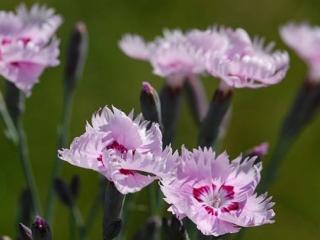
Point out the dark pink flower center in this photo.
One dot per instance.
(127, 171)
(214, 199)
(120, 149)
(117, 147)
(5, 41)
(25, 40)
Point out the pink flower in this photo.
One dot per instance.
(216, 194)
(27, 44)
(305, 41)
(247, 63)
(171, 55)
(122, 149)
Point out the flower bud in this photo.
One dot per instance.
(40, 229)
(63, 192)
(150, 103)
(76, 55)
(75, 186)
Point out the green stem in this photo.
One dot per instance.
(94, 210)
(77, 222)
(25, 162)
(153, 200)
(272, 169)
(11, 129)
(57, 165)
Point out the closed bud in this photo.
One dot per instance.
(150, 103)
(76, 55)
(75, 186)
(40, 229)
(63, 192)
(5, 238)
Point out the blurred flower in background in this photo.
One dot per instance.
(28, 44)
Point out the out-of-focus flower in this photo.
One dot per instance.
(171, 55)
(305, 41)
(28, 44)
(216, 194)
(123, 149)
(246, 63)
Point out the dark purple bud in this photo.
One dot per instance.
(75, 186)
(150, 103)
(63, 192)
(40, 229)
(76, 55)
(25, 232)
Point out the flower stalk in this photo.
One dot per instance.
(196, 98)
(76, 56)
(305, 107)
(11, 131)
(15, 101)
(113, 204)
(170, 99)
(210, 127)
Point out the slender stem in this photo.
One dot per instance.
(57, 165)
(11, 129)
(272, 169)
(113, 204)
(77, 221)
(153, 200)
(94, 209)
(26, 166)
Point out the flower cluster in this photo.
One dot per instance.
(228, 54)
(27, 44)
(216, 194)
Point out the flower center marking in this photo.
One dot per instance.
(214, 199)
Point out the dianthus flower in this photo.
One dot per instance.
(247, 63)
(216, 194)
(123, 149)
(27, 44)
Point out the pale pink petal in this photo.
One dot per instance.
(135, 47)
(246, 63)
(40, 23)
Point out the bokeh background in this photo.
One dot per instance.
(112, 78)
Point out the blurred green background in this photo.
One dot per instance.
(112, 78)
